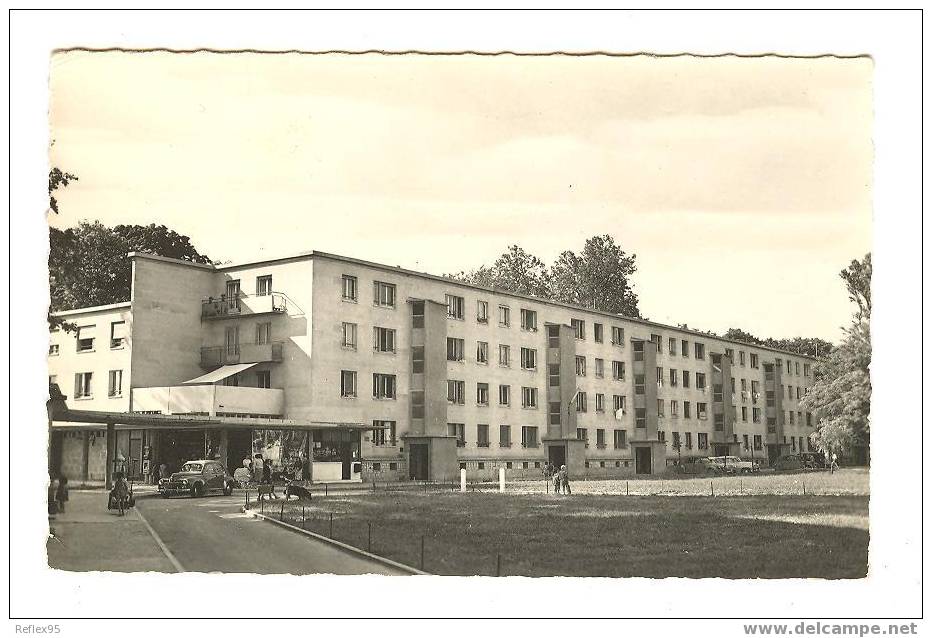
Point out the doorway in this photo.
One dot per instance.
(556, 455)
(642, 462)
(721, 449)
(417, 461)
(239, 448)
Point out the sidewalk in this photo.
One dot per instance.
(89, 537)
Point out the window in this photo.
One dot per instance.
(746, 441)
(117, 334)
(528, 397)
(599, 402)
(661, 436)
(384, 434)
(798, 393)
(115, 384)
(676, 441)
(758, 442)
(347, 383)
(741, 357)
(717, 394)
(384, 340)
(639, 384)
(618, 370)
(754, 361)
(459, 431)
(600, 438)
(504, 316)
(232, 381)
(504, 395)
(455, 348)
(482, 314)
(621, 439)
(638, 350)
(53, 350)
(744, 413)
(700, 351)
(417, 314)
(383, 386)
(732, 386)
(231, 337)
(771, 400)
(554, 413)
(807, 369)
(703, 441)
(86, 338)
(660, 408)
(579, 327)
(580, 366)
(264, 333)
(618, 336)
(689, 440)
(349, 336)
(553, 375)
(640, 417)
(684, 348)
(797, 368)
(671, 346)
(768, 372)
(82, 385)
(730, 354)
(599, 368)
(482, 352)
(719, 420)
(456, 391)
(755, 391)
(482, 393)
(701, 411)
(528, 320)
(619, 403)
(528, 359)
(582, 435)
(658, 341)
(685, 378)
(674, 377)
(809, 419)
(553, 335)
(504, 355)
(659, 378)
(482, 435)
(686, 410)
(755, 415)
(264, 379)
(504, 436)
(597, 333)
(383, 294)
(528, 436)
(792, 418)
(263, 285)
(455, 307)
(793, 442)
(350, 292)
(582, 404)
(674, 408)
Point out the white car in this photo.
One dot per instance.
(735, 464)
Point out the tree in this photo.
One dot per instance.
(515, 271)
(598, 278)
(841, 392)
(88, 265)
(737, 334)
(58, 179)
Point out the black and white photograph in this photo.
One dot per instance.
(541, 318)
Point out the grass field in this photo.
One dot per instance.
(602, 534)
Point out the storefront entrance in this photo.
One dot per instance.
(239, 447)
(336, 455)
(179, 446)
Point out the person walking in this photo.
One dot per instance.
(61, 493)
(565, 480)
(556, 482)
(120, 492)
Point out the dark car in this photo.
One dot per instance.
(788, 462)
(198, 478)
(700, 465)
(812, 460)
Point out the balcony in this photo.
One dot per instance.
(216, 356)
(224, 307)
(209, 400)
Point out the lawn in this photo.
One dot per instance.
(601, 534)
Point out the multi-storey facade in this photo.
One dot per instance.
(378, 373)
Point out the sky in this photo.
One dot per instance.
(741, 184)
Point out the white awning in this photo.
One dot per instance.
(220, 373)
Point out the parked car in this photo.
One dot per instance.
(735, 464)
(198, 478)
(788, 462)
(812, 460)
(700, 465)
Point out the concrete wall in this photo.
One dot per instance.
(209, 399)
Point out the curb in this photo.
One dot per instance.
(347, 548)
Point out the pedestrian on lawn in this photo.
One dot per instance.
(565, 480)
(556, 482)
(120, 491)
(61, 493)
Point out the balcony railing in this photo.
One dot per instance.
(216, 356)
(242, 304)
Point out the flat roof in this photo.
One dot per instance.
(317, 254)
(90, 309)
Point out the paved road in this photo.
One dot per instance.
(212, 535)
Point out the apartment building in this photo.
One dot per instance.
(373, 372)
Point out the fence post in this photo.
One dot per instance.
(804, 488)
(422, 553)
(331, 526)
(281, 513)
(303, 518)
(462, 480)
(627, 493)
(369, 546)
(247, 499)
(712, 487)
(326, 489)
